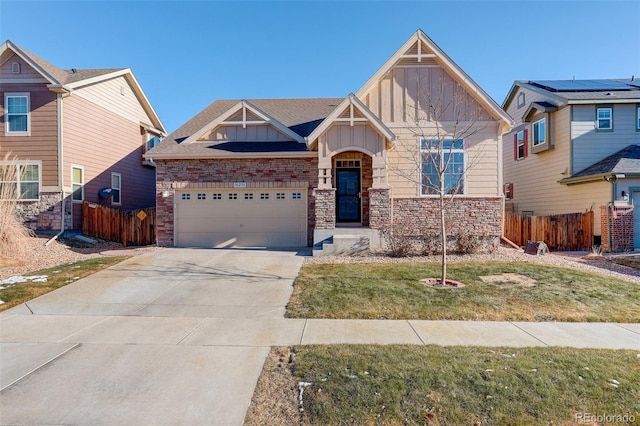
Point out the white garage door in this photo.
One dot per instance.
(241, 218)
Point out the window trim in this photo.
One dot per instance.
(75, 166)
(524, 144)
(637, 117)
(604, 129)
(7, 130)
(446, 151)
(119, 189)
(20, 164)
(536, 134)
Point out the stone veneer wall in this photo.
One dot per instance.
(616, 227)
(380, 205)
(325, 208)
(44, 214)
(261, 172)
(480, 216)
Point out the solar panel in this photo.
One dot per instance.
(581, 85)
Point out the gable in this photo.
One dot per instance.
(25, 71)
(420, 77)
(244, 122)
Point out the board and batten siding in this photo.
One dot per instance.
(482, 177)
(535, 178)
(116, 96)
(342, 136)
(406, 91)
(252, 132)
(104, 142)
(42, 143)
(591, 145)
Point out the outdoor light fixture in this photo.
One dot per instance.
(625, 196)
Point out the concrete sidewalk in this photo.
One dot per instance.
(180, 337)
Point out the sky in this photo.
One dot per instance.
(187, 54)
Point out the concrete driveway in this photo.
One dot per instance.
(163, 338)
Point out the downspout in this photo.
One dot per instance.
(60, 167)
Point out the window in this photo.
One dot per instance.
(22, 179)
(540, 132)
(447, 154)
(17, 114)
(521, 100)
(201, 196)
(604, 118)
(116, 187)
(638, 118)
(216, 196)
(248, 196)
(233, 196)
(186, 196)
(280, 196)
(152, 140)
(77, 183)
(296, 196)
(508, 191)
(264, 195)
(520, 145)
(15, 68)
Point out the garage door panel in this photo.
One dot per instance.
(271, 218)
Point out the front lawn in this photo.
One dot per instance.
(53, 278)
(393, 291)
(431, 385)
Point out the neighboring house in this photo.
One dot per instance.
(296, 172)
(74, 132)
(575, 147)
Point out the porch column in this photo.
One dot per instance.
(324, 173)
(379, 207)
(325, 208)
(379, 163)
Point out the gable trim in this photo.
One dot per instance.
(244, 105)
(8, 45)
(350, 101)
(475, 90)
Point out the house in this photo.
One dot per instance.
(575, 147)
(74, 132)
(298, 172)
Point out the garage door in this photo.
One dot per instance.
(241, 218)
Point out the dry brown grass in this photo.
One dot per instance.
(14, 236)
(274, 399)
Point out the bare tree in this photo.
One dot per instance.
(443, 121)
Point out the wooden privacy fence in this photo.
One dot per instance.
(129, 227)
(572, 231)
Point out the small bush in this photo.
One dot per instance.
(430, 244)
(467, 243)
(398, 239)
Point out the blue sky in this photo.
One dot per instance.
(186, 54)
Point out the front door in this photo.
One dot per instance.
(348, 195)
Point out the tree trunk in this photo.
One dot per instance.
(443, 233)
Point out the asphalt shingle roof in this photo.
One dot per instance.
(301, 116)
(626, 160)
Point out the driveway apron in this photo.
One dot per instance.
(162, 338)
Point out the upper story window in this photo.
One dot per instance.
(521, 100)
(17, 119)
(446, 156)
(20, 180)
(540, 132)
(152, 140)
(520, 144)
(638, 117)
(604, 118)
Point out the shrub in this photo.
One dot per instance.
(14, 236)
(467, 243)
(398, 239)
(430, 244)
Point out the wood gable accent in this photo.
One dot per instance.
(253, 121)
(420, 65)
(351, 111)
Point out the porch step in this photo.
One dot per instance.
(343, 245)
(345, 241)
